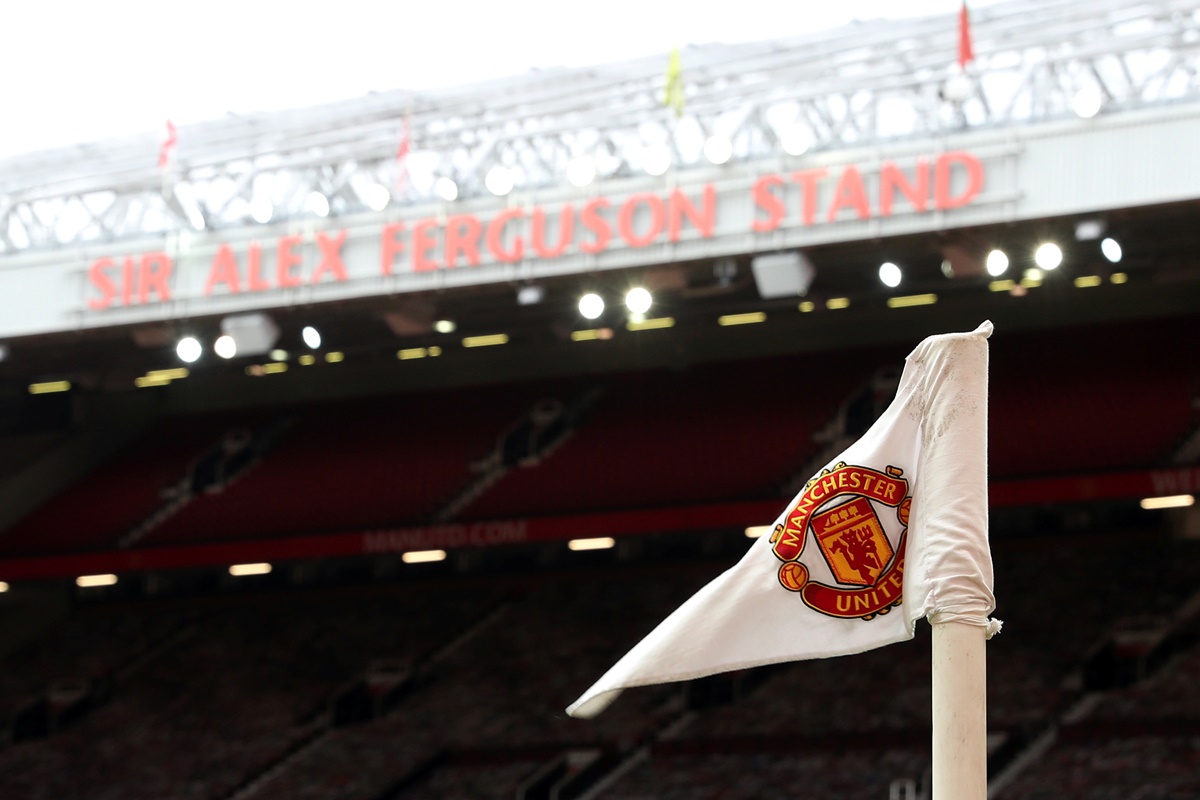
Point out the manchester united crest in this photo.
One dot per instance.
(839, 510)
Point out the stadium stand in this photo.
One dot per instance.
(722, 431)
(714, 432)
(1089, 399)
(104, 506)
(355, 465)
(253, 685)
(252, 681)
(556, 637)
(864, 772)
(373, 549)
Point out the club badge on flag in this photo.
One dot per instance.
(891, 530)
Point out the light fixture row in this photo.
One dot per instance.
(266, 568)
(638, 301)
(577, 545)
(189, 348)
(1047, 256)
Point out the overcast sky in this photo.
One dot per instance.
(80, 70)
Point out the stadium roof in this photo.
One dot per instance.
(858, 97)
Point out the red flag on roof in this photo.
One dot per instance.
(402, 156)
(402, 148)
(167, 149)
(965, 52)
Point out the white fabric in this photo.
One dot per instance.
(935, 434)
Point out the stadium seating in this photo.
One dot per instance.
(790, 772)
(241, 697)
(102, 507)
(1089, 399)
(92, 644)
(357, 464)
(714, 432)
(1114, 767)
(555, 639)
(252, 680)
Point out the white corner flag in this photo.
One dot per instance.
(895, 528)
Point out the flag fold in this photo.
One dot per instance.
(891, 530)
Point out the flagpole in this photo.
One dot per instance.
(959, 712)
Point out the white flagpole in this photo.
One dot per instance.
(959, 712)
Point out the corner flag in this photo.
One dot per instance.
(893, 529)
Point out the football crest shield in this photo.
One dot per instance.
(839, 510)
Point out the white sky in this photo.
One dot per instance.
(80, 70)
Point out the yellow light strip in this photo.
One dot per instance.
(168, 374)
(1088, 281)
(274, 367)
(910, 300)
(650, 324)
(260, 568)
(756, 531)
(599, 543)
(1118, 277)
(410, 353)
(490, 340)
(742, 319)
(49, 387)
(585, 336)
(423, 556)
(334, 357)
(834, 303)
(1001, 286)
(1170, 501)
(1031, 283)
(307, 360)
(146, 380)
(86, 581)
(807, 306)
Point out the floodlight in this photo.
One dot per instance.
(189, 349)
(261, 210)
(1111, 249)
(997, 263)
(591, 305)
(657, 160)
(446, 189)
(1087, 101)
(499, 180)
(796, 140)
(318, 204)
(1048, 256)
(581, 171)
(376, 197)
(225, 346)
(718, 149)
(638, 300)
(890, 274)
